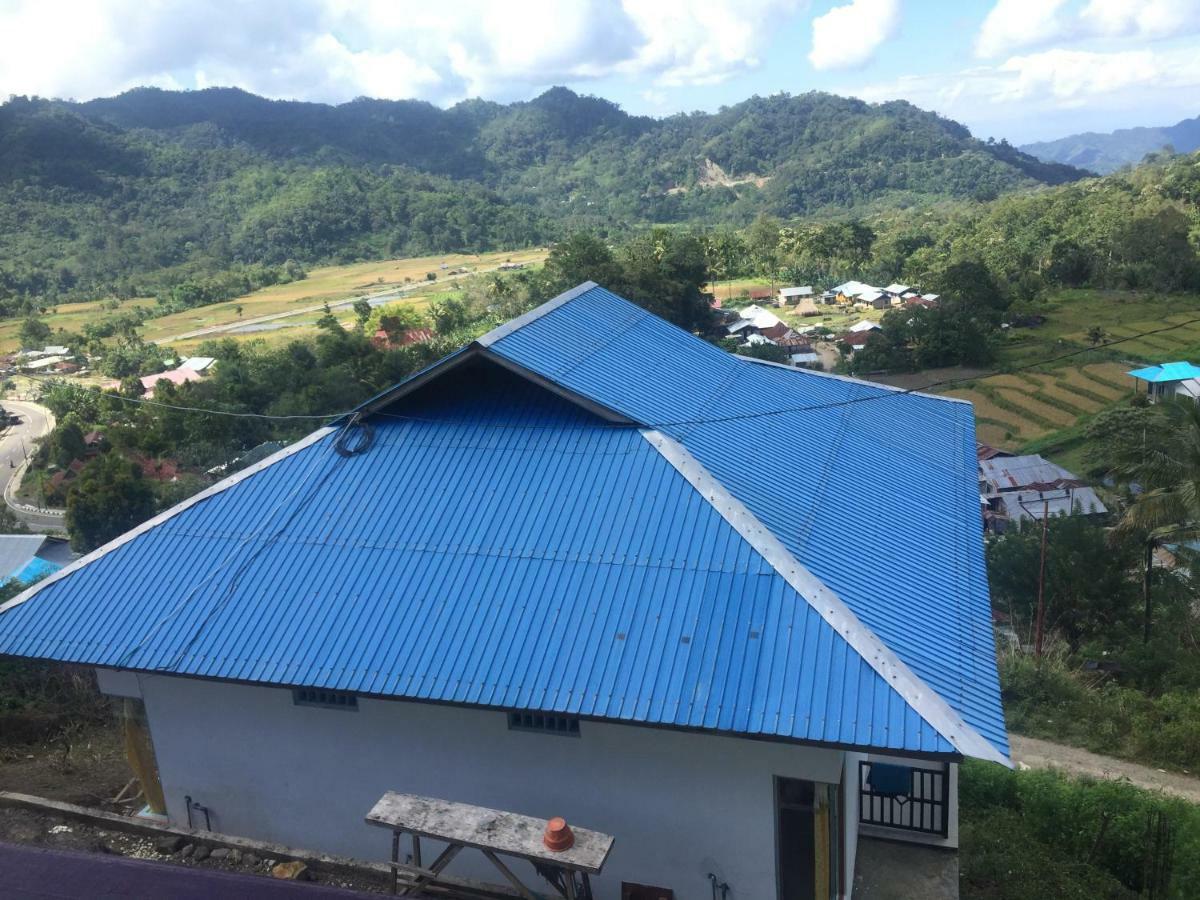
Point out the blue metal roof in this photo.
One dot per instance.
(1172, 371)
(500, 546)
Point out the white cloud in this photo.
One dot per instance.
(333, 50)
(1050, 93)
(1013, 25)
(848, 36)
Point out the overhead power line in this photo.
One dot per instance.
(883, 393)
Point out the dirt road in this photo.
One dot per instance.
(1039, 754)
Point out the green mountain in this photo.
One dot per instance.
(152, 186)
(1106, 153)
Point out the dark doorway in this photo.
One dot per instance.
(807, 825)
(794, 805)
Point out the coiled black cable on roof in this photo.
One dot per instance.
(355, 426)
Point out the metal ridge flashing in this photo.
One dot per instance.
(501, 331)
(929, 704)
(128, 536)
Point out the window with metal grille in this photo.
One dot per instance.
(325, 699)
(912, 798)
(521, 721)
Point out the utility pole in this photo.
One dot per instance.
(1146, 589)
(1041, 603)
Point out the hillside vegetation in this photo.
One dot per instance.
(127, 195)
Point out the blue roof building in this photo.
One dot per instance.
(1169, 380)
(567, 521)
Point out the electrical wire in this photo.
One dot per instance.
(884, 394)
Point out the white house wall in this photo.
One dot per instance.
(680, 805)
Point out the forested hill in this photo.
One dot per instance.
(1106, 153)
(99, 195)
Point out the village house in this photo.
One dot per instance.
(799, 297)
(1169, 380)
(853, 341)
(541, 576)
(761, 294)
(754, 319)
(1015, 489)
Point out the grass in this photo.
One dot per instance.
(331, 284)
(1043, 834)
(327, 284)
(1044, 410)
(68, 316)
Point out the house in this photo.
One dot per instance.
(1024, 488)
(177, 376)
(864, 325)
(897, 290)
(875, 299)
(540, 576)
(829, 298)
(855, 340)
(853, 291)
(1168, 380)
(198, 364)
(762, 294)
(800, 297)
(753, 319)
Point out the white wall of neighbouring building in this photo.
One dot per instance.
(679, 804)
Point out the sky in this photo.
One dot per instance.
(1024, 70)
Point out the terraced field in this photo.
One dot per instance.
(1011, 410)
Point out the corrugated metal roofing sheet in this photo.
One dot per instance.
(1172, 371)
(500, 547)
(849, 475)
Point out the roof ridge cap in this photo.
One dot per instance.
(500, 331)
(919, 696)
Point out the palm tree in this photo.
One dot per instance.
(1166, 470)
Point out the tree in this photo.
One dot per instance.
(1167, 471)
(109, 498)
(1100, 606)
(762, 244)
(238, 309)
(362, 311)
(1165, 464)
(1096, 335)
(34, 333)
(970, 281)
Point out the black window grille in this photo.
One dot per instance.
(923, 808)
(324, 699)
(547, 724)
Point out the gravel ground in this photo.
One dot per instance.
(1039, 754)
(22, 826)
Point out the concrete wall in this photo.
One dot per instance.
(680, 805)
(850, 801)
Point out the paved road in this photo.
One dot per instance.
(15, 442)
(38, 873)
(377, 299)
(1039, 754)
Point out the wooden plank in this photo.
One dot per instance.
(432, 875)
(488, 829)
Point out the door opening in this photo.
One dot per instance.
(808, 826)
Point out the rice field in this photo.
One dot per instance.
(1011, 410)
